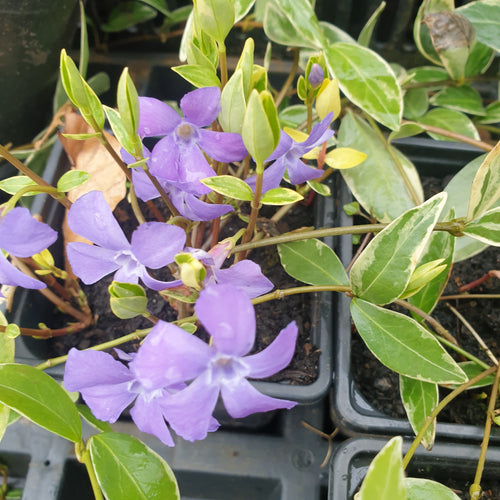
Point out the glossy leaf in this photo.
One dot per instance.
(230, 186)
(365, 35)
(246, 66)
(85, 412)
(71, 180)
(293, 23)
(385, 478)
(387, 195)
(485, 192)
(38, 397)
(343, 158)
(127, 469)
(313, 262)
(426, 489)
(463, 98)
(233, 104)
(215, 17)
(7, 349)
(127, 300)
(484, 16)
(382, 272)
(321, 189)
(403, 345)
(423, 275)
(419, 399)
(127, 101)
(486, 229)
(120, 131)
(280, 196)
(12, 185)
(416, 103)
(368, 81)
(198, 75)
(451, 120)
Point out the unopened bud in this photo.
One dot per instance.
(316, 75)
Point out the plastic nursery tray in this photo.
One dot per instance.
(349, 409)
(446, 461)
(280, 465)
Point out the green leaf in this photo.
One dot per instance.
(365, 36)
(72, 179)
(215, 17)
(472, 369)
(127, 300)
(246, 66)
(403, 345)
(368, 81)
(486, 229)
(385, 478)
(463, 98)
(416, 103)
(122, 134)
(128, 103)
(333, 34)
(387, 195)
(7, 350)
(423, 275)
(128, 14)
(485, 192)
(492, 113)
(407, 130)
(451, 120)
(382, 272)
(38, 397)
(242, 8)
(280, 196)
(159, 5)
(82, 137)
(230, 186)
(233, 104)
(293, 116)
(484, 16)
(419, 399)
(425, 489)
(313, 262)
(198, 75)
(85, 412)
(479, 60)
(321, 189)
(127, 469)
(293, 23)
(428, 74)
(12, 185)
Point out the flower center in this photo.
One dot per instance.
(128, 262)
(185, 131)
(227, 369)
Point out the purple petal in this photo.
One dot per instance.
(148, 416)
(194, 209)
(91, 217)
(156, 117)
(158, 285)
(247, 276)
(242, 399)
(319, 133)
(229, 317)
(201, 106)
(194, 167)
(155, 244)
(189, 412)
(284, 145)
(22, 235)
(89, 262)
(222, 146)
(299, 172)
(107, 402)
(220, 252)
(143, 186)
(91, 368)
(271, 178)
(275, 356)
(9, 275)
(164, 162)
(170, 355)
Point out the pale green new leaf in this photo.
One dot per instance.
(313, 262)
(12, 185)
(293, 23)
(392, 189)
(127, 101)
(385, 479)
(280, 196)
(198, 75)
(368, 81)
(451, 120)
(425, 489)
(230, 186)
(485, 192)
(403, 345)
(318, 187)
(242, 8)
(71, 180)
(382, 272)
(463, 98)
(486, 229)
(419, 399)
(38, 397)
(7, 350)
(127, 469)
(233, 104)
(485, 17)
(119, 130)
(365, 35)
(333, 34)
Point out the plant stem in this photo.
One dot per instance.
(471, 296)
(437, 410)
(279, 294)
(462, 352)
(289, 80)
(475, 488)
(86, 459)
(34, 177)
(222, 65)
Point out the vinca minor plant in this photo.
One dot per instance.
(235, 145)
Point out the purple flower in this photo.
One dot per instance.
(173, 355)
(245, 275)
(178, 157)
(109, 386)
(187, 204)
(287, 156)
(153, 244)
(22, 236)
(316, 75)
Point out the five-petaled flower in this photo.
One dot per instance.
(153, 245)
(22, 236)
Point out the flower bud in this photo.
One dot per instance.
(316, 75)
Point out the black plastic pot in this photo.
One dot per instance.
(448, 463)
(349, 409)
